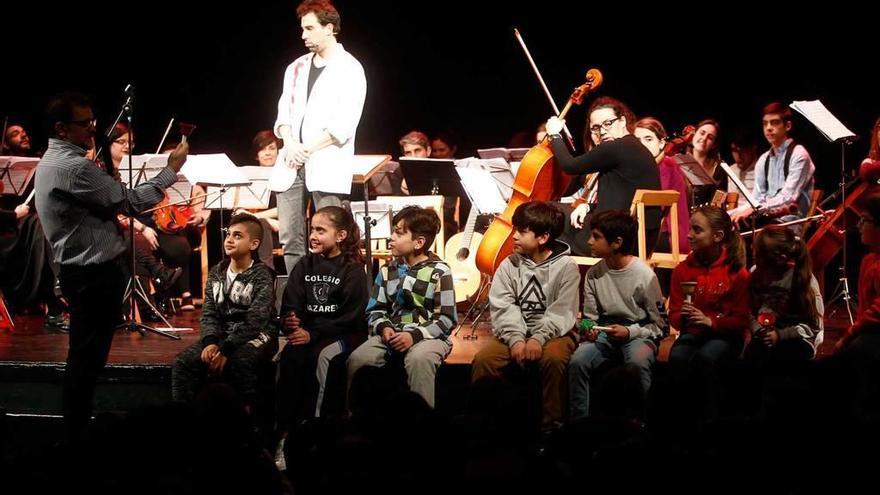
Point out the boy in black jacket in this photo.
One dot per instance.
(237, 335)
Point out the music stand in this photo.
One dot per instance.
(215, 171)
(363, 167)
(508, 154)
(256, 195)
(695, 174)
(133, 286)
(16, 173)
(744, 193)
(431, 176)
(486, 194)
(833, 130)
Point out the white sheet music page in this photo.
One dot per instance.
(743, 190)
(213, 169)
(256, 195)
(824, 120)
(144, 167)
(482, 189)
(179, 191)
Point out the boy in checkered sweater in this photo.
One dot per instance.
(412, 305)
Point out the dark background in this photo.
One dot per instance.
(454, 64)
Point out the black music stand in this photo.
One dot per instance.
(431, 176)
(833, 130)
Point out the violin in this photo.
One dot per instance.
(539, 178)
(172, 219)
(677, 144)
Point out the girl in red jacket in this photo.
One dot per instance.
(713, 318)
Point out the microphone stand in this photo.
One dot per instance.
(125, 110)
(133, 287)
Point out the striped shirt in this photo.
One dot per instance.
(418, 299)
(78, 203)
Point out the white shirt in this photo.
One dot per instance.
(334, 105)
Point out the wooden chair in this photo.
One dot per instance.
(666, 199)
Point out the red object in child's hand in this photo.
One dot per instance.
(767, 319)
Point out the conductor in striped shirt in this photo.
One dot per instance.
(78, 203)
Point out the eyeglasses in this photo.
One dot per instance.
(123, 142)
(864, 220)
(605, 125)
(85, 123)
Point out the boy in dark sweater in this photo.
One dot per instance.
(237, 335)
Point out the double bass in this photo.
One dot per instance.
(539, 178)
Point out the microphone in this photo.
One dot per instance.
(129, 90)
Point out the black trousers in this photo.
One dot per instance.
(176, 251)
(298, 382)
(94, 293)
(242, 370)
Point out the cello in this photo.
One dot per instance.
(539, 178)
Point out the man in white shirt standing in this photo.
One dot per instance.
(318, 114)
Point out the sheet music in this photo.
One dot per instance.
(17, 171)
(152, 165)
(255, 196)
(824, 120)
(499, 168)
(215, 201)
(693, 171)
(179, 191)
(216, 169)
(509, 155)
(15, 160)
(743, 190)
(365, 165)
(482, 189)
(380, 212)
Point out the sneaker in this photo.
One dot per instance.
(58, 323)
(166, 278)
(280, 463)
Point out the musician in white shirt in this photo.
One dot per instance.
(318, 114)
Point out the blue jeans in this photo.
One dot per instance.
(589, 356)
(292, 225)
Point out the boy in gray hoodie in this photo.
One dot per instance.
(622, 295)
(533, 301)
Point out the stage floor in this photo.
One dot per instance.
(31, 343)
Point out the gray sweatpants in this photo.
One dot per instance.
(421, 362)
